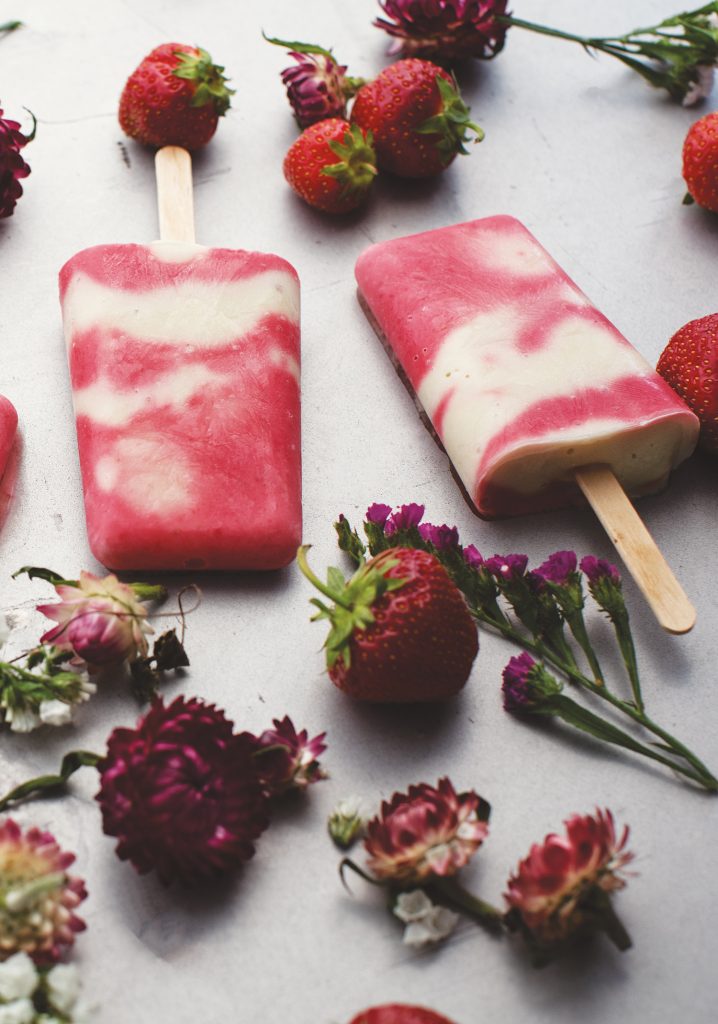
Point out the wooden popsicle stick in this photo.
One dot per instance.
(637, 548)
(173, 170)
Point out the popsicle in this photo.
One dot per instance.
(535, 396)
(8, 428)
(184, 363)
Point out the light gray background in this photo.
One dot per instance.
(589, 157)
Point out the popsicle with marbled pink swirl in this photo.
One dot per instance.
(184, 363)
(522, 378)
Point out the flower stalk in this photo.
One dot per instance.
(543, 601)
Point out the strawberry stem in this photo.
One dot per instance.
(333, 595)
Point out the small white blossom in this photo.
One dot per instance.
(18, 977)
(412, 906)
(702, 86)
(435, 926)
(21, 1011)
(55, 712)
(350, 807)
(21, 720)
(63, 987)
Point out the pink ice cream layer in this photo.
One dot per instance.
(8, 429)
(185, 375)
(521, 376)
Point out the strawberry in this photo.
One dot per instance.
(331, 165)
(700, 162)
(417, 117)
(689, 363)
(401, 631)
(174, 98)
(399, 1013)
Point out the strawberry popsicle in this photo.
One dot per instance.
(184, 363)
(8, 428)
(523, 380)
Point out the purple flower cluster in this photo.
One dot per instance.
(598, 570)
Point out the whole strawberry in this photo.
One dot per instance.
(331, 165)
(401, 631)
(174, 98)
(399, 1013)
(700, 162)
(689, 363)
(417, 118)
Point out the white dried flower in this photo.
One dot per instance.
(55, 712)
(21, 1011)
(22, 720)
(63, 987)
(412, 906)
(435, 926)
(702, 86)
(18, 977)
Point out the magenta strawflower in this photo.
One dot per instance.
(100, 619)
(425, 832)
(315, 87)
(287, 759)
(182, 792)
(37, 896)
(562, 887)
(444, 29)
(12, 165)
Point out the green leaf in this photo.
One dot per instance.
(47, 783)
(36, 572)
(296, 46)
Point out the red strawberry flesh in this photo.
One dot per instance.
(689, 363)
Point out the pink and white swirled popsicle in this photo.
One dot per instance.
(184, 363)
(521, 377)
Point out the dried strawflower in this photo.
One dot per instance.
(100, 619)
(182, 792)
(287, 759)
(12, 166)
(318, 87)
(38, 897)
(425, 832)
(444, 29)
(563, 887)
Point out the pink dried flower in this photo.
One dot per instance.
(473, 557)
(101, 620)
(444, 29)
(598, 570)
(12, 165)
(507, 567)
(182, 792)
(37, 896)
(443, 538)
(316, 87)
(378, 513)
(287, 759)
(427, 831)
(561, 888)
(558, 567)
(404, 518)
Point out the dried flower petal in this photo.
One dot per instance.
(37, 896)
(448, 29)
(427, 831)
(182, 792)
(287, 759)
(12, 165)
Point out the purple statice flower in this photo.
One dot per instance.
(558, 567)
(443, 537)
(526, 684)
(507, 567)
(516, 687)
(598, 570)
(378, 513)
(315, 87)
(404, 518)
(473, 557)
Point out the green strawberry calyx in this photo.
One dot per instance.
(353, 599)
(210, 82)
(356, 168)
(452, 122)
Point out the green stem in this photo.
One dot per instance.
(482, 912)
(149, 592)
(701, 773)
(70, 764)
(628, 651)
(322, 587)
(10, 26)
(578, 627)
